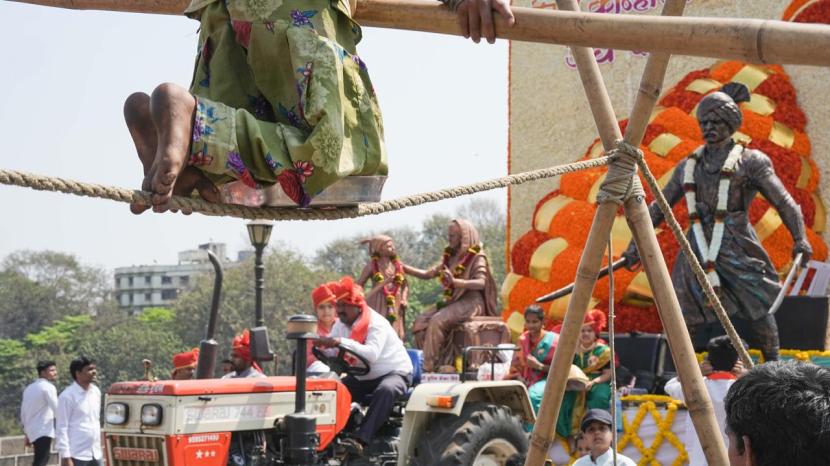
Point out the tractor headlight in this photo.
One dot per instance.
(117, 413)
(151, 414)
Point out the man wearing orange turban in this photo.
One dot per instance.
(184, 364)
(371, 336)
(323, 300)
(243, 365)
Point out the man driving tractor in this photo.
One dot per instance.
(369, 335)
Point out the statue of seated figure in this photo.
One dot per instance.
(469, 292)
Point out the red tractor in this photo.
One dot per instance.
(304, 420)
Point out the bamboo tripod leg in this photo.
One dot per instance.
(702, 413)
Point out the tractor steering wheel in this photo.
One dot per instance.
(339, 364)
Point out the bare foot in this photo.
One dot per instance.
(171, 109)
(143, 131)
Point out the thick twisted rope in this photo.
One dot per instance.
(47, 183)
(700, 274)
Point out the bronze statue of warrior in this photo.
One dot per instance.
(719, 180)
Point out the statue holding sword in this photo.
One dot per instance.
(718, 181)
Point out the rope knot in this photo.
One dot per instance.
(627, 149)
(621, 183)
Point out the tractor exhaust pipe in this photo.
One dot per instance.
(208, 348)
(301, 428)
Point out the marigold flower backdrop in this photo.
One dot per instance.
(550, 123)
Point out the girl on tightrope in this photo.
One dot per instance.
(279, 95)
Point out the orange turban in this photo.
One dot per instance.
(185, 360)
(242, 346)
(346, 291)
(322, 294)
(596, 319)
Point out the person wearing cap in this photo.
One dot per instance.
(243, 365)
(371, 336)
(323, 299)
(184, 364)
(596, 430)
(718, 181)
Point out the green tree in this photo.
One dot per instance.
(16, 371)
(119, 343)
(38, 288)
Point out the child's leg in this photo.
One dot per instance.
(143, 132)
(143, 129)
(171, 109)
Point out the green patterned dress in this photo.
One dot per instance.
(574, 404)
(282, 96)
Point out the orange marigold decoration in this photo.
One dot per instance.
(546, 257)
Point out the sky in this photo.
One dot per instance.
(64, 76)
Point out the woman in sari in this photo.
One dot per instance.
(469, 291)
(532, 362)
(594, 358)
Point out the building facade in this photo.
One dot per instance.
(142, 286)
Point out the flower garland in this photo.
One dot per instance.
(457, 272)
(710, 251)
(390, 290)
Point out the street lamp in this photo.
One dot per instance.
(259, 232)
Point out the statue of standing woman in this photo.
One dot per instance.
(469, 291)
(390, 290)
(719, 180)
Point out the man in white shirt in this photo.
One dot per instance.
(37, 411)
(371, 336)
(596, 428)
(720, 369)
(79, 417)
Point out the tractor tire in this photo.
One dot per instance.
(483, 434)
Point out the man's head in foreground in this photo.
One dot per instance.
(779, 413)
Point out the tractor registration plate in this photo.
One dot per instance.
(148, 455)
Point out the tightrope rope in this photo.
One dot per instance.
(48, 183)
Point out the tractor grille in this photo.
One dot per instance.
(136, 450)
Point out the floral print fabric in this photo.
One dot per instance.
(282, 96)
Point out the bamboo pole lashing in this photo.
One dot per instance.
(639, 220)
(750, 40)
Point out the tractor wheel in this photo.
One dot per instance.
(483, 435)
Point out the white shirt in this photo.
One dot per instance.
(717, 392)
(37, 410)
(250, 373)
(383, 349)
(606, 459)
(79, 423)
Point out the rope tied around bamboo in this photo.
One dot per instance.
(621, 182)
(189, 204)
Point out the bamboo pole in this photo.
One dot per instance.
(751, 40)
(700, 406)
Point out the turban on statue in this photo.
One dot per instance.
(724, 104)
(241, 346)
(596, 319)
(185, 360)
(322, 294)
(376, 243)
(347, 291)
